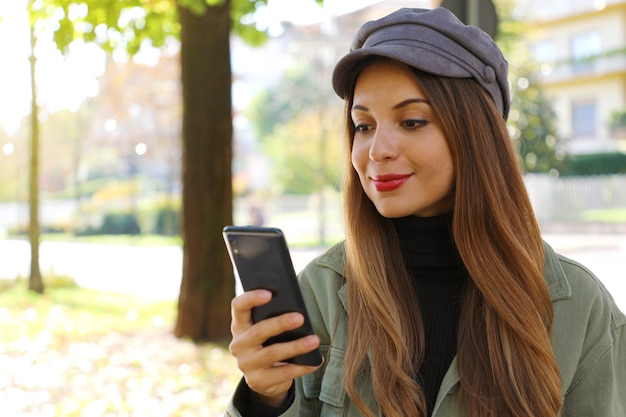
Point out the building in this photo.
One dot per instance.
(581, 48)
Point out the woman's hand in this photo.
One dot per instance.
(263, 367)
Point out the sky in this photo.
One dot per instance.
(307, 11)
(65, 82)
(62, 83)
(13, 65)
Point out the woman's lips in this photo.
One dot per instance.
(389, 182)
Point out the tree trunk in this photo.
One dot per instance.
(207, 281)
(35, 282)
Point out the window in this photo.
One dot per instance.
(585, 45)
(584, 120)
(544, 51)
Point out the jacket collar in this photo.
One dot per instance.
(554, 275)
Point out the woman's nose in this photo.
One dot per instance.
(383, 146)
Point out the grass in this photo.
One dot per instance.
(75, 352)
(87, 312)
(135, 240)
(605, 216)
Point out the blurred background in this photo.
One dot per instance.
(92, 184)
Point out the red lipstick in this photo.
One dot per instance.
(389, 182)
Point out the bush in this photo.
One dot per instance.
(618, 119)
(155, 218)
(594, 164)
(120, 224)
(167, 222)
(112, 223)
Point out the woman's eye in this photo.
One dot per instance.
(414, 123)
(362, 128)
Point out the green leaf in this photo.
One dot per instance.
(198, 7)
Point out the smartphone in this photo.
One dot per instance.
(261, 260)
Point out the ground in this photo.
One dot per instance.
(81, 353)
(144, 373)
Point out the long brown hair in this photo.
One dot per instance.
(505, 358)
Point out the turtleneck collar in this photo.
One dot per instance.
(427, 242)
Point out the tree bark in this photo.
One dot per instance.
(35, 282)
(207, 278)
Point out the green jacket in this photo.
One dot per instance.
(589, 341)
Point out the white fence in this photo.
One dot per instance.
(570, 204)
(581, 202)
(595, 203)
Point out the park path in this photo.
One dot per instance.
(155, 271)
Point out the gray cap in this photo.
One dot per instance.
(433, 41)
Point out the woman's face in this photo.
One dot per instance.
(399, 150)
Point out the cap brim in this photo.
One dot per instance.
(425, 59)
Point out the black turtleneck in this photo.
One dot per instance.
(439, 277)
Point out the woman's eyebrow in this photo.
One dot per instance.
(410, 101)
(359, 107)
(396, 107)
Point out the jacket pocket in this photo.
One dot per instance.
(326, 384)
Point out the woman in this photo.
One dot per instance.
(443, 300)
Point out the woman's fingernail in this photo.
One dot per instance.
(310, 341)
(295, 318)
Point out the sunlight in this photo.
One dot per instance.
(62, 82)
(14, 79)
(8, 149)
